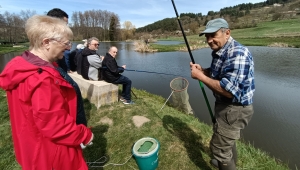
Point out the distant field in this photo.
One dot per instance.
(270, 29)
(265, 34)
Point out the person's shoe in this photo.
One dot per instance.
(122, 99)
(128, 102)
(214, 163)
(227, 166)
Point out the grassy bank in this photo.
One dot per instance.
(5, 50)
(179, 47)
(183, 139)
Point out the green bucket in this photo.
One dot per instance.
(145, 152)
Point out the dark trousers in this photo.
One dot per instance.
(230, 120)
(126, 82)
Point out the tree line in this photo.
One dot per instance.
(103, 24)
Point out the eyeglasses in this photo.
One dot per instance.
(68, 44)
(95, 44)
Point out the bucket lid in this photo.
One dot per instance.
(145, 147)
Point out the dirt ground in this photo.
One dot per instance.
(138, 121)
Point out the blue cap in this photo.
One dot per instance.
(214, 25)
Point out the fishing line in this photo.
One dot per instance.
(153, 72)
(143, 71)
(90, 164)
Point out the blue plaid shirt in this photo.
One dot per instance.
(233, 66)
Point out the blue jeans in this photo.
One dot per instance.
(126, 82)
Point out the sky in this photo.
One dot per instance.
(139, 12)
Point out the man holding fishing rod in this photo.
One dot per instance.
(231, 79)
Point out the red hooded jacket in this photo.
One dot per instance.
(42, 107)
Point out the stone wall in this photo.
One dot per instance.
(97, 92)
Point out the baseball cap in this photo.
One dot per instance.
(214, 25)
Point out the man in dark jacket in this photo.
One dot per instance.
(111, 73)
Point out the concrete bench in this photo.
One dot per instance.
(97, 92)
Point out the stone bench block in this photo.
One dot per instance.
(97, 92)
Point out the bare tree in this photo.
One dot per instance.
(84, 25)
(117, 35)
(2, 27)
(25, 14)
(8, 31)
(128, 30)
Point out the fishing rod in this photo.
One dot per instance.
(193, 61)
(146, 72)
(153, 72)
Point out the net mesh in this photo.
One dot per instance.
(180, 97)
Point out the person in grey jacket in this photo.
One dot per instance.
(91, 61)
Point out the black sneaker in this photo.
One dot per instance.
(128, 102)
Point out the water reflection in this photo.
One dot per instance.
(6, 58)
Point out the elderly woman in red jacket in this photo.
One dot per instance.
(42, 104)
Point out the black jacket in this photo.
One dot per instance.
(110, 69)
(78, 61)
(62, 64)
(72, 60)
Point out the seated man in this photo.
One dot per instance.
(111, 73)
(91, 61)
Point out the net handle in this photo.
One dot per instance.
(165, 102)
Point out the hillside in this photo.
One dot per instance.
(239, 16)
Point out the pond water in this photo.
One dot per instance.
(274, 127)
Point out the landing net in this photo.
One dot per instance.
(180, 96)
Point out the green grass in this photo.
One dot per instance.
(265, 34)
(281, 28)
(166, 48)
(267, 41)
(5, 50)
(184, 140)
(7, 158)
